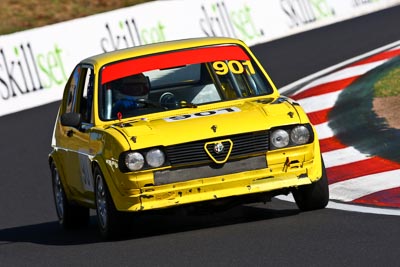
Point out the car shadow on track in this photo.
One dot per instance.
(149, 225)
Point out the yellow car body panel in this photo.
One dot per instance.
(103, 139)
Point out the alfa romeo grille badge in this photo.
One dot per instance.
(219, 148)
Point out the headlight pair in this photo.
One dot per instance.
(136, 160)
(284, 137)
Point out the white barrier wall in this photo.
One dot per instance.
(35, 64)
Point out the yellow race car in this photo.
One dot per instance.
(194, 122)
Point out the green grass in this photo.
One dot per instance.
(22, 15)
(389, 84)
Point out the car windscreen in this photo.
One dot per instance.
(179, 79)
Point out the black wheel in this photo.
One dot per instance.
(112, 223)
(314, 196)
(69, 215)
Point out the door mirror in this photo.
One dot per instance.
(71, 119)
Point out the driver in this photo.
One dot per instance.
(130, 92)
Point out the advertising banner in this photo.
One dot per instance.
(35, 64)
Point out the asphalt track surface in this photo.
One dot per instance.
(275, 234)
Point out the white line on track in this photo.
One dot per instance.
(355, 208)
(352, 189)
(323, 72)
(395, 48)
(350, 207)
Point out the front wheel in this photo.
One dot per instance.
(313, 196)
(112, 223)
(69, 215)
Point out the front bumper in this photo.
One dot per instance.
(285, 170)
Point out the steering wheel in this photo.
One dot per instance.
(169, 101)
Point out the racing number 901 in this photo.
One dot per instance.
(235, 66)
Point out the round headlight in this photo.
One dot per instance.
(279, 138)
(300, 135)
(134, 161)
(155, 157)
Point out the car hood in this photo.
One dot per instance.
(209, 121)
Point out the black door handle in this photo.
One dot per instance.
(70, 133)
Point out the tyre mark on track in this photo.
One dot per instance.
(354, 177)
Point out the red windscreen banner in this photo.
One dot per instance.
(170, 60)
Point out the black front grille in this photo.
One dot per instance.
(243, 145)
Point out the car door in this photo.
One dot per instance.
(75, 141)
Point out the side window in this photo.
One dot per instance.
(78, 93)
(86, 99)
(71, 90)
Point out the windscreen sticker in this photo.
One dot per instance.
(173, 59)
(202, 114)
(234, 66)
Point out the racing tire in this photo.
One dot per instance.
(69, 215)
(313, 196)
(112, 223)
